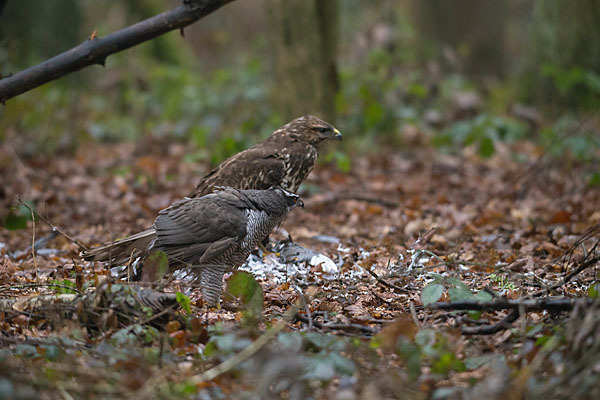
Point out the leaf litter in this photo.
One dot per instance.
(425, 227)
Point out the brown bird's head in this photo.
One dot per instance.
(309, 129)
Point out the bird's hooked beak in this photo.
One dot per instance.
(299, 203)
(338, 134)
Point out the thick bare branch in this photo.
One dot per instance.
(96, 49)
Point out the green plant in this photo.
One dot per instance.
(503, 282)
(483, 131)
(566, 138)
(17, 218)
(575, 85)
(243, 286)
(456, 289)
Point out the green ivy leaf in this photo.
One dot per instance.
(15, 222)
(342, 364)
(458, 294)
(486, 147)
(476, 362)
(474, 315)
(594, 180)
(431, 293)
(52, 352)
(482, 295)
(594, 290)
(183, 301)
(64, 282)
(243, 286)
(458, 283)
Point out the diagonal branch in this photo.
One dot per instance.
(96, 49)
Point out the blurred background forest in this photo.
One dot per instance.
(470, 167)
(400, 73)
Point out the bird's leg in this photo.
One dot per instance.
(211, 281)
(263, 247)
(263, 244)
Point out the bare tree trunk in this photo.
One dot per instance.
(304, 37)
(473, 28)
(565, 39)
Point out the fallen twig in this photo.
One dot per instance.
(504, 323)
(413, 314)
(385, 283)
(584, 265)
(306, 308)
(424, 238)
(127, 329)
(516, 306)
(51, 225)
(548, 304)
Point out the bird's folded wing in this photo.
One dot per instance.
(190, 228)
(256, 168)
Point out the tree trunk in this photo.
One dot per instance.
(474, 29)
(304, 42)
(565, 53)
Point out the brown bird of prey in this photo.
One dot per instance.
(212, 234)
(284, 159)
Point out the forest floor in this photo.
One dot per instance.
(399, 231)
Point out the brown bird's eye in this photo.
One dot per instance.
(321, 129)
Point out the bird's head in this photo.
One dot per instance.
(290, 200)
(312, 130)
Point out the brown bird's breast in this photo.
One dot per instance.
(299, 160)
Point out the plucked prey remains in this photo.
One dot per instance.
(212, 234)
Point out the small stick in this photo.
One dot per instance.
(568, 277)
(51, 225)
(385, 283)
(162, 350)
(424, 238)
(504, 323)
(413, 314)
(37, 270)
(308, 313)
(502, 304)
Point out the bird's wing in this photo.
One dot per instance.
(192, 227)
(258, 167)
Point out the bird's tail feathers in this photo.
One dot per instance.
(121, 251)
